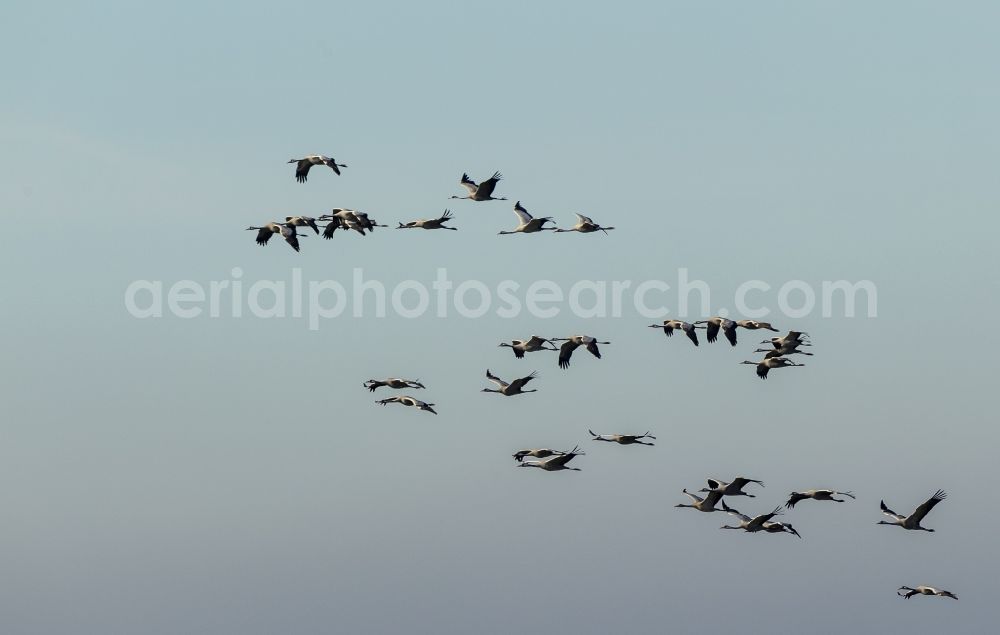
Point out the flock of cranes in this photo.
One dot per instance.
(348, 219)
(717, 491)
(550, 460)
(775, 357)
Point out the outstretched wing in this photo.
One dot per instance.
(565, 352)
(692, 336)
(469, 184)
(302, 170)
(889, 512)
(534, 341)
(730, 332)
(757, 522)
(486, 188)
(790, 529)
(928, 505)
(291, 236)
(584, 219)
(771, 514)
(739, 482)
(333, 164)
(519, 383)
(712, 332)
(496, 380)
(523, 217)
(561, 459)
(712, 499)
(793, 498)
(592, 347)
(331, 227)
(263, 235)
(738, 514)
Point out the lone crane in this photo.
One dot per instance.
(778, 528)
(571, 344)
(535, 343)
(766, 364)
(924, 590)
(912, 521)
(430, 223)
(515, 387)
(482, 191)
(753, 325)
(706, 504)
(406, 400)
(287, 231)
(527, 224)
(303, 165)
(623, 439)
(585, 225)
(393, 382)
(817, 494)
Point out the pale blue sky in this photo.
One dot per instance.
(232, 476)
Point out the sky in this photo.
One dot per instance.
(230, 475)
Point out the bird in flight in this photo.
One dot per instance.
(287, 231)
(303, 165)
(571, 344)
(924, 590)
(481, 191)
(912, 521)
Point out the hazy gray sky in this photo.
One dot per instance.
(232, 476)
